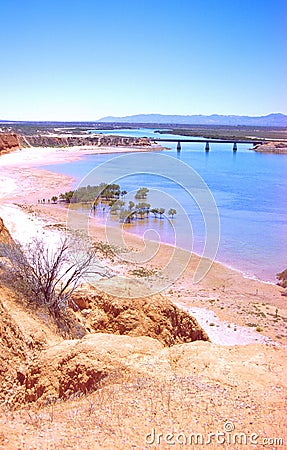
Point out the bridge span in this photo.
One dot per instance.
(210, 141)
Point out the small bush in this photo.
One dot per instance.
(47, 277)
(142, 272)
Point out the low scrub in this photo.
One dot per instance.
(47, 277)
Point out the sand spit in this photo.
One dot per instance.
(35, 156)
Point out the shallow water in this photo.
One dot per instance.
(249, 188)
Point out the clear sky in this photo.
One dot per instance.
(82, 60)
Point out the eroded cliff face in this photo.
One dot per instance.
(85, 140)
(9, 142)
(5, 236)
(155, 317)
(12, 141)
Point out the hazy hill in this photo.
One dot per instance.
(271, 120)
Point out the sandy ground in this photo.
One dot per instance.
(233, 309)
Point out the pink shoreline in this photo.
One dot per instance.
(38, 156)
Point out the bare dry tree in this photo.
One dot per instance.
(45, 275)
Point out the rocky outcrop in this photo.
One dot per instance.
(9, 142)
(156, 317)
(282, 277)
(22, 336)
(271, 147)
(282, 281)
(80, 366)
(5, 236)
(127, 337)
(86, 140)
(13, 347)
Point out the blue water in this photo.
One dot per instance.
(250, 191)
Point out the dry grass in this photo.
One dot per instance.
(121, 414)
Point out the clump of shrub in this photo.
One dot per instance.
(44, 276)
(142, 272)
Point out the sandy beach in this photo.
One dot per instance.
(225, 302)
(36, 156)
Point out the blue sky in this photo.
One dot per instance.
(82, 60)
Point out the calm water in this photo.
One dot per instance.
(250, 190)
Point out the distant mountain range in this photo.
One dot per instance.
(271, 120)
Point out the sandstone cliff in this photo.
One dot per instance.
(80, 366)
(9, 142)
(4, 233)
(46, 140)
(12, 141)
(156, 317)
(37, 363)
(22, 336)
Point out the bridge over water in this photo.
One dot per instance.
(210, 141)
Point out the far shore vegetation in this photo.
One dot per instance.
(206, 131)
(111, 198)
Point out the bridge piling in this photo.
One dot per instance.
(213, 141)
